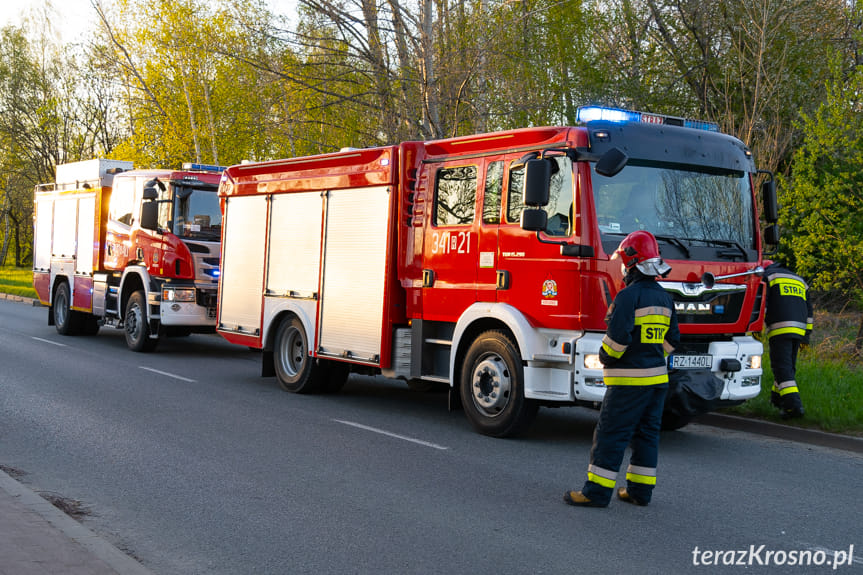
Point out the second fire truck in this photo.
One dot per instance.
(136, 249)
(483, 262)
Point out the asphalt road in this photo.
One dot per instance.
(205, 467)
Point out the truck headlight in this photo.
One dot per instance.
(591, 361)
(178, 294)
(754, 362)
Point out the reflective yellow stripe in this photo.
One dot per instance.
(600, 480)
(602, 476)
(611, 352)
(784, 330)
(653, 380)
(654, 319)
(788, 390)
(646, 479)
(611, 347)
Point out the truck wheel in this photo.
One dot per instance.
(492, 387)
(90, 324)
(66, 320)
(334, 375)
(296, 370)
(137, 324)
(672, 421)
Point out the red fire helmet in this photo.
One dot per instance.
(640, 249)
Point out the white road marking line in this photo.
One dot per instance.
(49, 341)
(389, 434)
(166, 374)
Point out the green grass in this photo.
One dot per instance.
(17, 281)
(829, 376)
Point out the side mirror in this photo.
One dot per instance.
(771, 202)
(534, 220)
(150, 193)
(150, 216)
(537, 181)
(771, 235)
(611, 163)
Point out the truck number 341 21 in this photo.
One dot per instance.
(451, 243)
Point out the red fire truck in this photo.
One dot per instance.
(483, 262)
(135, 249)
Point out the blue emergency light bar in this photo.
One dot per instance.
(202, 167)
(589, 113)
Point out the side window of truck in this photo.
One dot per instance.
(514, 205)
(122, 201)
(559, 208)
(493, 191)
(455, 195)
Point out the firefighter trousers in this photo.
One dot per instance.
(783, 361)
(630, 415)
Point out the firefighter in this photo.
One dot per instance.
(789, 323)
(642, 330)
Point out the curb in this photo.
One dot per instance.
(21, 299)
(99, 547)
(791, 433)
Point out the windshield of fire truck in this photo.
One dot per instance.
(195, 213)
(680, 206)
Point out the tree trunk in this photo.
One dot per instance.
(858, 341)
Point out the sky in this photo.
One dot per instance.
(74, 16)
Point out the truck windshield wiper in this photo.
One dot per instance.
(677, 242)
(724, 253)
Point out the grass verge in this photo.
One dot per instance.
(17, 281)
(829, 376)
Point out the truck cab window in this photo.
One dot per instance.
(122, 201)
(561, 194)
(455, 196)
(197, 213)
(493, 191)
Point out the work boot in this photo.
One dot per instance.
(775, 400)
(578, 499)
(624, 495)
(792, 407)
(792, 413)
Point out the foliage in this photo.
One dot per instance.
(823, 198)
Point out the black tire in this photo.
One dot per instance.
(492, 387)
(137, 324)
(672, 421)
(66, 320)
(334, 375)
(296, 370)
(90, 324)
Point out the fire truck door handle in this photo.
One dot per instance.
(428, 278)
(110, 249)
(139, 254)
(502, 279)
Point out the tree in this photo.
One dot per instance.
(823, 198)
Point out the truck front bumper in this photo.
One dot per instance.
(187, 306)
(725, 357)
